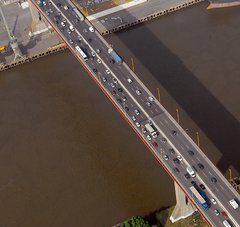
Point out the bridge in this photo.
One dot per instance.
(182, 159)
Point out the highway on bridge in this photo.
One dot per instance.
(172, 147)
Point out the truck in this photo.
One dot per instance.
(233, 203)
(191, 171)
(151, 130)
(198, 198)
(115, 56)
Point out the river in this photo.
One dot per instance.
(67, 158)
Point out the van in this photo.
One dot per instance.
(226, 223)
(233, 203)
(191, 171)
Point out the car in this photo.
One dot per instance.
(70, 41)
(71, 28)
(59, 13)
(148, 103)
(179, 157)
(200, 166)
(137, 112)
(134, 118)
(151, 98)
(93, 54)
(69, 31)
(124, 98)
(104, 79)
(193, 183)
(59, 4)
(120, 89)
(49, 3)
(163, 139)
(176, 160)
(129, 80)
(138, 124)
(107, 71)
(44, 3)
(172, 151)
(190, 152)
(138, 92)
(114, 93)
(155, 144)
(119, 101)
(91, 29)
(115, 80)
(202, 186)
(213, 179)
(216, 212)
(187, 175)
(99, 61)
(165, 157)
(65, 7)
(144, 130)
(175, 169)
(47, 13)
(85, 30)
(224, 214)
(79, 38)
(126, 108)
(95, 70)
(64, 20)
(149, 137)
(89, 40)
(112, 85)
(213, 201)
(98, 51)
(50, 11)
(174, 132)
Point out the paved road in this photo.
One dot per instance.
(138, 106)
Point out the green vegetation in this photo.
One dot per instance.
(135, 222)
(164, 215)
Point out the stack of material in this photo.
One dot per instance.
(222, 3)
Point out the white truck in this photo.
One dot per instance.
(191, 171)
(151, 130)
(233, 203)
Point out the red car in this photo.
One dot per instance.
(155, 144)
(224, 214)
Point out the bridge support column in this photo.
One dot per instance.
(184, 208)
(39, 25)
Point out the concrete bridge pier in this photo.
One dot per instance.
(39, 25)
(184, 208)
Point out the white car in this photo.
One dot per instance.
(179, 157)
(65, 7)
(112, 85)
(115, 81)
(149, 137)
(137, 124)
(107, 71)
(165, 157)
(134, 118)
(137, 112)
(104, 79)
(129, 80)
(99, 61)
(93, 54)
(63, 24)
(151, 98)
(138, 92)
(71, 28)
(213, 201)
(91, 29)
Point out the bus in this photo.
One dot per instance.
(151, 130)
(198, 198)
(81, 52)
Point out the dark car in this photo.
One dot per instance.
(193, 183)
(155, 144)
(176, 170)
(187, 175)
(190, 152)
(176, 160)
(224, 214)
(200, 166)
(172, 151)
(202, 186)
(174, 132)
(119, 101)
(113, 92)
(120, 89)
(126, 108)
(94, 70)
(213, 179)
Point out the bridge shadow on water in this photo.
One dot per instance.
(220, 126)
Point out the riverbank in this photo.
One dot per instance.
(38, 46)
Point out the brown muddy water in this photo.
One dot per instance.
(67, 158)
